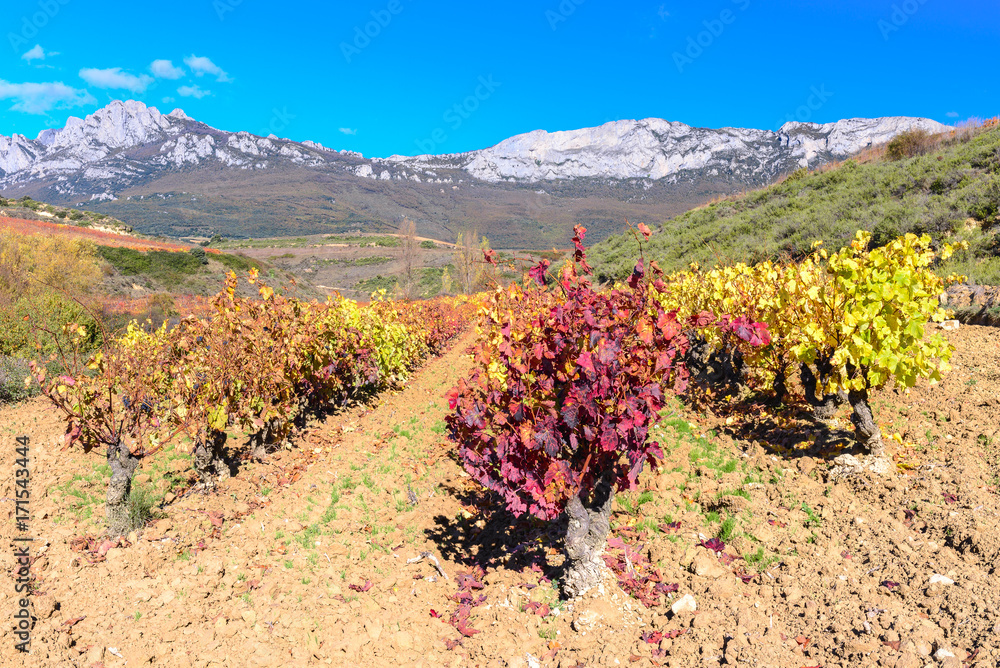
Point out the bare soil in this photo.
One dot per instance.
(306, 559)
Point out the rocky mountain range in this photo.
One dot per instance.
(170, 174)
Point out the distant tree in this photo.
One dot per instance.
(470, 269)
(408, 281)
(446, 282)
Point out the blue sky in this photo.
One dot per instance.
(449, 76)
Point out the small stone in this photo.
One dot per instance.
(950, 325)
(169, 497)
(157, 530)
(941, 579)
(943, 653)
(45, 606)
(706, 565)
(685, 603)
(94, 655)
(249, 616)
(585, 621)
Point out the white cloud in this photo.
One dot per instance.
(164, 69)
(349, 131)
(168, 100)
(36, 53)
(952, 114)
(40, 98)
(193, 91)
(113, 77)
(202, 65)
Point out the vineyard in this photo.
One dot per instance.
(782, 464)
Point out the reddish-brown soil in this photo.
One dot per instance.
(260, 572)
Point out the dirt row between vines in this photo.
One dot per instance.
(308, 559)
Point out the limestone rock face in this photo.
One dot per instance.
(128, 143)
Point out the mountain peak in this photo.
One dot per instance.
(128, 144)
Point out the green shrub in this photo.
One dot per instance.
(238, 263)
(199, 253)
(13, 371)
(23, 324)
(908, 144)
(168, 267)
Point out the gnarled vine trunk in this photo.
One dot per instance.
(824, 405)
(209, 458)
(264, 440)
(867, 432)
(123, 465)
(586, 535)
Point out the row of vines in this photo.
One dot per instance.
(261, 365)
(569, 379)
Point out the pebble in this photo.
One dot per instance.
(941, 579)
(685, 603)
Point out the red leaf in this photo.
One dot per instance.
(537, 273)
(713, 544)
(362, 588)
(586, 361)
(644, 230)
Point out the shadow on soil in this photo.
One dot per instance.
(494, 538)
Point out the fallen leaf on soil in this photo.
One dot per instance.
(713, 544)
(362, 588)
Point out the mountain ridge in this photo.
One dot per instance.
(525, 187)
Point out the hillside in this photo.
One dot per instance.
(951, 191)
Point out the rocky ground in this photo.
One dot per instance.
(738, 550)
